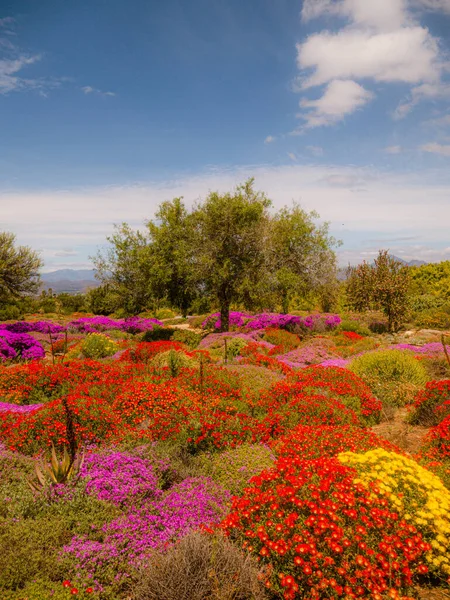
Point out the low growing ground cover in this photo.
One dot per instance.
(254, 446)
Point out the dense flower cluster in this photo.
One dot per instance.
(131, 538)
(322, 535)
(119, 477)
(415, 493)
(19, 345)
(432, 404)
(279, 321)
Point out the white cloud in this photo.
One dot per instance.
(87, 89)
(443, 121)
(292, 156)
(434, 5)
(435, 148)
(367, 201)
(315, 150)
(425, 91)
(379, 41)
(340, 98)
(407, 55)
(269, 139)
(393, 149)
(382, 14)
(9, 74)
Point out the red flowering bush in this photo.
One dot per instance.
(351, 335)
(308, 442)
(431, 404)
(94, 421)
(320, 535)
(282, 339)
(255, 354)
(145, 351)
(439, 438)
(336, 384)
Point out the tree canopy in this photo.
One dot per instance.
(228, 248)
(19, 268)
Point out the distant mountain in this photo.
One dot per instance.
(72, 281)
(411, 263)
(342, 271)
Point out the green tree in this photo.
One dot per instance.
(384, 285)
(171, 242)
(19, 268)
(231, 231)
(127, 267)
(301, 258)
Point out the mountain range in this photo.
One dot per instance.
(71, 281)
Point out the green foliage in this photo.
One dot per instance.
(231, 233)
(102, 300)
(300, 256)
(384, 285)
(164, 313)
(174, 361)
(19, 268)
(187, 337)
(98, 345)
(394, 376)
(438, 318)
(432, 280)
(157, 334)
(355, 326)
(57, 472)
(234, 468)
(9, 312)
(172, 254)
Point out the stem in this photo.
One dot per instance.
(51, 344)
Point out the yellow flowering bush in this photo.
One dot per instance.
(415, 493)
(98, 345)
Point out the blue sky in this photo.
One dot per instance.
(109, 107)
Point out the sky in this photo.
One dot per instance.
(109, 107)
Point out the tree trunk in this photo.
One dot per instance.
(224, 315)
(285, 303)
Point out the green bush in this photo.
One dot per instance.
(9, 313)
(165, 313)
(158, 334)
(187, 337)
(394, 376)
(234, 468)
(434, 318)
(98, 345)
(175, 361)
(355, 326)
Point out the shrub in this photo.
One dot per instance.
(234, 468)
(378, 326)
(343, 385)
(146, 351)
(157, 334)
(434, 319)
(432, 404)
(280, 337)
(415, 493)
(200, 567)
(190, 338)
(393, 375)
(355, 326)
(439, 439)
(165, 313)
(97, 345)
(174, 360)
(321, 535)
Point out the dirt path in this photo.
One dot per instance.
(402, 434)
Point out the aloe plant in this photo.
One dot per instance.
(58, 471)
